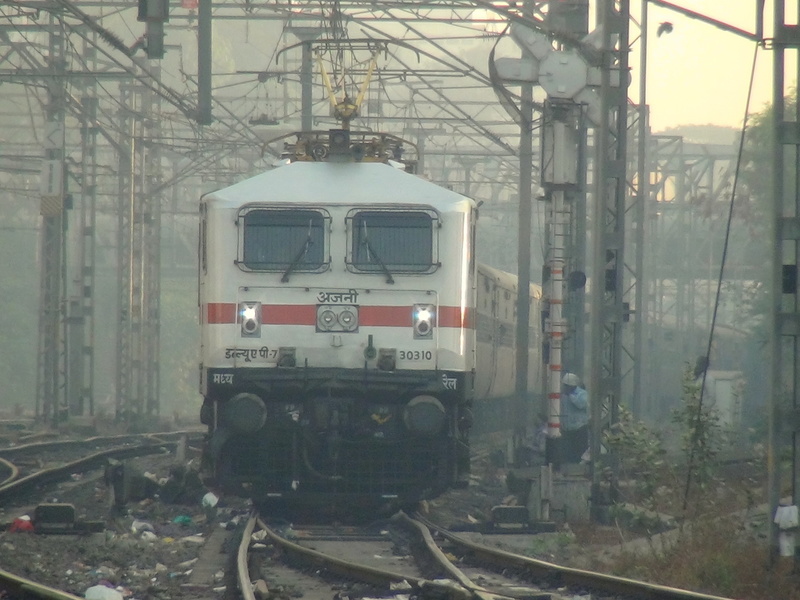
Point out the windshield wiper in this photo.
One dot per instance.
(373, 256)
(299, 257)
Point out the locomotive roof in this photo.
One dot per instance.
(335, 183)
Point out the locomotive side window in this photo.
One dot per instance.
(282, 240)
(393, 242)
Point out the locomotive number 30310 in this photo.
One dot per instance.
(416, 355)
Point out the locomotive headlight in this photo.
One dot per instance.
(348, 320)
(337, 318)
(423, 321)
(250, 318)
(326, 320)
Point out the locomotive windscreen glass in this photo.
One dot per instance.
(394, 241)
(283, 239)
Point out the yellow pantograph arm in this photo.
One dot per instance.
(361, 92)
(344, 109)
(327, 81)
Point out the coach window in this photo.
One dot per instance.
(393, 241)
(288, 241)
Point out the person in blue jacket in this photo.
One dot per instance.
(574, 419)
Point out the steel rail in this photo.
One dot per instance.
(19, 587)
(479, 592)
(365, 573)
(86, 463)
(242, 570)
(159, 438)
(13, 471)
(559, 576)
(434, 551)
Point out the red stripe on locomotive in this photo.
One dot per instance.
(220, 313)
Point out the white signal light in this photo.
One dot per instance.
(423, 321)
(250, 318)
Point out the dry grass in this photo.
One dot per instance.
(721, 549)
(715, 557)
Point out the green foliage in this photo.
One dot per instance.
(708, 552)
(550, 544)
(637, 518)
(747, 302)
(655, 485)
(701, 433)
(719, 573)
(640, 453)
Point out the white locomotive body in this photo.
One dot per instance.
(338, 331)
(338, 350)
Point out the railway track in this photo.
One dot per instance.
(444, 565)
(32, 474)
(433, 564)
(555, 579)
(405, 555)
(15, 482)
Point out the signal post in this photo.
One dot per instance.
(562, 124)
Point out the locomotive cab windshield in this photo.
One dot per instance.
(393, 241)
(283, 240)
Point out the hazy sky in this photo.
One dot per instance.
(699, 74)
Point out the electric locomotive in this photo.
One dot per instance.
(337, 303)
(348, 334)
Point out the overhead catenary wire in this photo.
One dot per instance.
(237, 126)
(466, 70)
(339, 20)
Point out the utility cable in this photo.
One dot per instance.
(106, 35)
(699, 414)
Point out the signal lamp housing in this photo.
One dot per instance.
(250, 319)
(423, 321)
(336, 318)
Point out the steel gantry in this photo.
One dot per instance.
(608, 312)
(784, 322)
(50, 398)
(139, 229)
(81, 316)
(584, 74)
(149, 135)
(118, 170)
